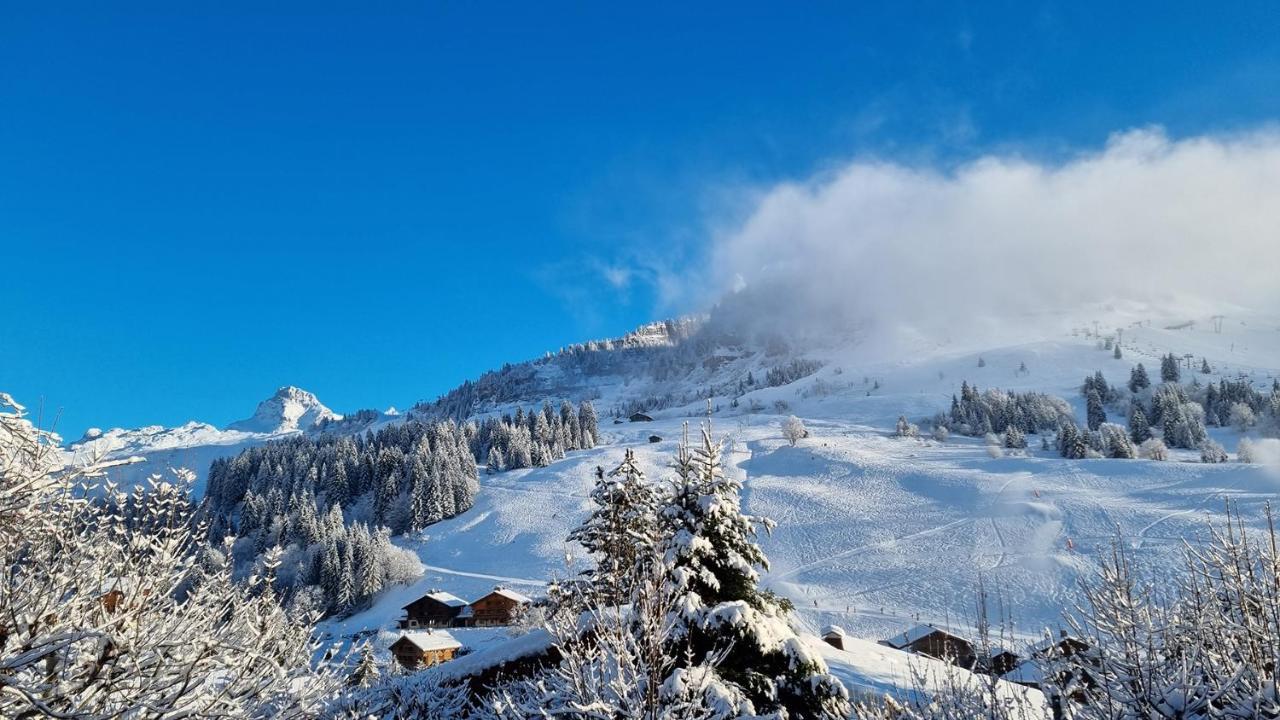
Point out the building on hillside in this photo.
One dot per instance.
(500, 607)
(435, 609)
(1051, 652)
(936, 642)
(833, 635)
(640, 417)
(424, 648)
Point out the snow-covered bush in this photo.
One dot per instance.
(793, 430)
(940, 433)
(1245, 452)
(110, 608)
(906, 429)
(1242, 417)
(1212, 452)
(995, 452)
(1153, 449)
(1197, 643)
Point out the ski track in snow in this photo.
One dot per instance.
(483, 576)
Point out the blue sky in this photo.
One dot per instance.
(378, 201)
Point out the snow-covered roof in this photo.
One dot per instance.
(918, 633)
(512, 595)
(832, 630)
(1049, 643)
(426, 640)
(446, 598)
(1026, 673)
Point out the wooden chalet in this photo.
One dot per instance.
(500, 607)
(640, 417)
(435, 609)
(833, 635)
(936, 642)
(424, 648)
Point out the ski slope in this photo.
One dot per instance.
(876, 532)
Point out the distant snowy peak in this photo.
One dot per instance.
(291, 409)
(121, 441)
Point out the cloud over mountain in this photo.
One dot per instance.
(1191, 223)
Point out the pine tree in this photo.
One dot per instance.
(622, 531)
(1138, 379)
(1204, 366)
(1139, 428)
(712, 559)
(1169, 371)
(1094, 411)
(1117, 354)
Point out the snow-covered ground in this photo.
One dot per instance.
(875, 532)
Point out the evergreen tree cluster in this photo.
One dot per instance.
(1219, 398)
(976, 413)
(534, 438)
(332, 503)
(790, 372)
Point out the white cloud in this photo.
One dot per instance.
(1145, 219)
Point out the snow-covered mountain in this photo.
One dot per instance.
(290, 409)
(195, 445)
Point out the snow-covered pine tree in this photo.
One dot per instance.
(1169, 370)
(622, 530)
(1095, 413)
(1138, 379)
(1139, 428)
(712, 559)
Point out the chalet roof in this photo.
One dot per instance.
(444, 598)
(832, 630)
(511, 595)
(427, 640)
(1027, 673)
(1050, 643)
(918, 633)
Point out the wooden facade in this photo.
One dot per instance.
(435, 609)
(500, 607)
(419, 649)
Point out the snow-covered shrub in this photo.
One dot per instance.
(995, 451)
(1212, 452)
(1242, 417)
(793, 430)
(940, 433)
(906, 429)
(992, 440)
(113, 608)
(1153, 449)
(1197, 643)
(1245, 452)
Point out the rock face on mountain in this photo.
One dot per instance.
(290, 409)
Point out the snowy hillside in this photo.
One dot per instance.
(874, 531)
